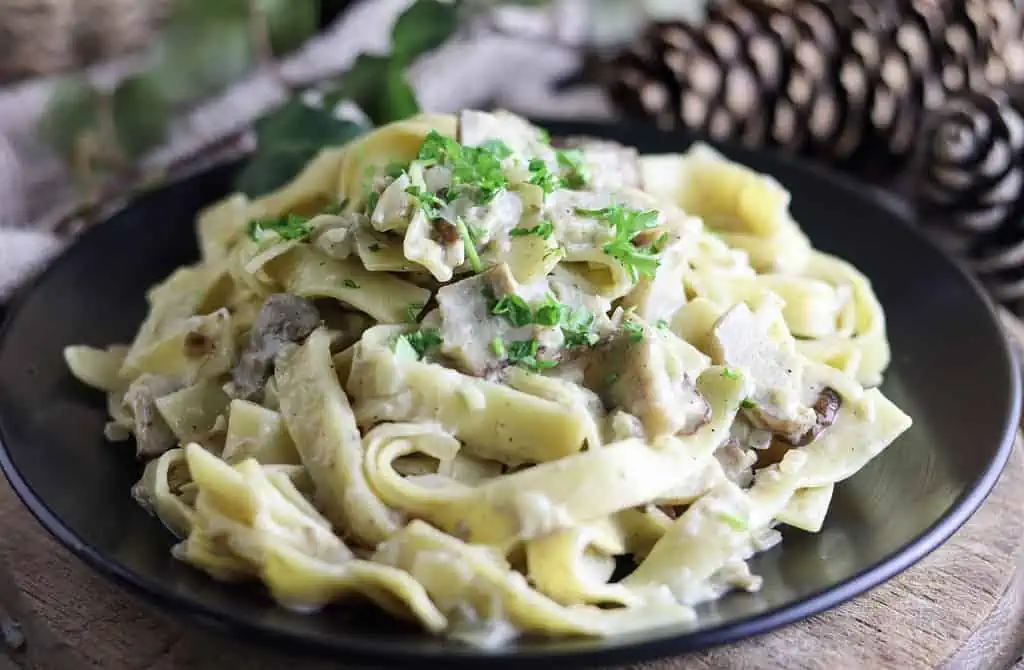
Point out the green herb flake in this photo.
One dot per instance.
(497, 148)
(498, 347)
(628, 223)
(748, 404)
(544, 229)
(288, 227)
(733, 521)
(351, 283)
(541, 176)
(470, 245)
(612, 378)
(412, 311)
(543, 136)
(431, 204)
(575, 174)
(634, 330)
(577, 327)
(524, 353)
(550, 313)
(475, 168)
(514, 309)
(662, 324)
(557, 252)
(421, 342)
(729, 373)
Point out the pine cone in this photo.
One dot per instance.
(845, 81)
(972, 185)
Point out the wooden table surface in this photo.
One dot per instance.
(960, 608)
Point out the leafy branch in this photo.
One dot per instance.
(205, 46)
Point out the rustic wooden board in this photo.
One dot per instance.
(960, 608)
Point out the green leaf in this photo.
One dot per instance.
(289, 22)
(360, 84)
(288, 138)
(426, 25)
(74, 107)
(398, 101)
(201, 55)
(141, 115)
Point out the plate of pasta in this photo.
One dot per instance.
(469, 388)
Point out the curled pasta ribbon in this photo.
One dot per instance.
(156, 493)
(479, 413)
(859, 347)
(696, 558)
(547, 497)
(320, 421)
(573, 566)
(477, 589)
(249, 522)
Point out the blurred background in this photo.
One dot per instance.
(919, 99)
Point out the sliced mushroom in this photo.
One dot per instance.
(152, 434)
(825, 408)
(284, 318)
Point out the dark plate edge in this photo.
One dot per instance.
(356, 650)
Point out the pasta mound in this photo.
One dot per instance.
(469, 374)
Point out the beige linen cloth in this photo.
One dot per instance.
(481, 67)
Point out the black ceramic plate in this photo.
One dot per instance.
(952, 371)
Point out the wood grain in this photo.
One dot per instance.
(960, 608)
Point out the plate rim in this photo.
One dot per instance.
(364, 649)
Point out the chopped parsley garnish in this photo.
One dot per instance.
(662, 323)
(748, 404)
(557, 252)
(437, 149)
(288, 227)
(576, 174)
(577, 327)
(612, 378)
(431, 204)
(421, 342)
(412, 311)
(469, 244)
(524, 353)
(515, 310)
(498, 347)
(629, 223)
(550, 313)
(634, 329)
(541, 176)
(478, 168)
(576, 324)
(496, 147)
(544, 229)
(733, 521)
(729, 373)
(351, 283)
